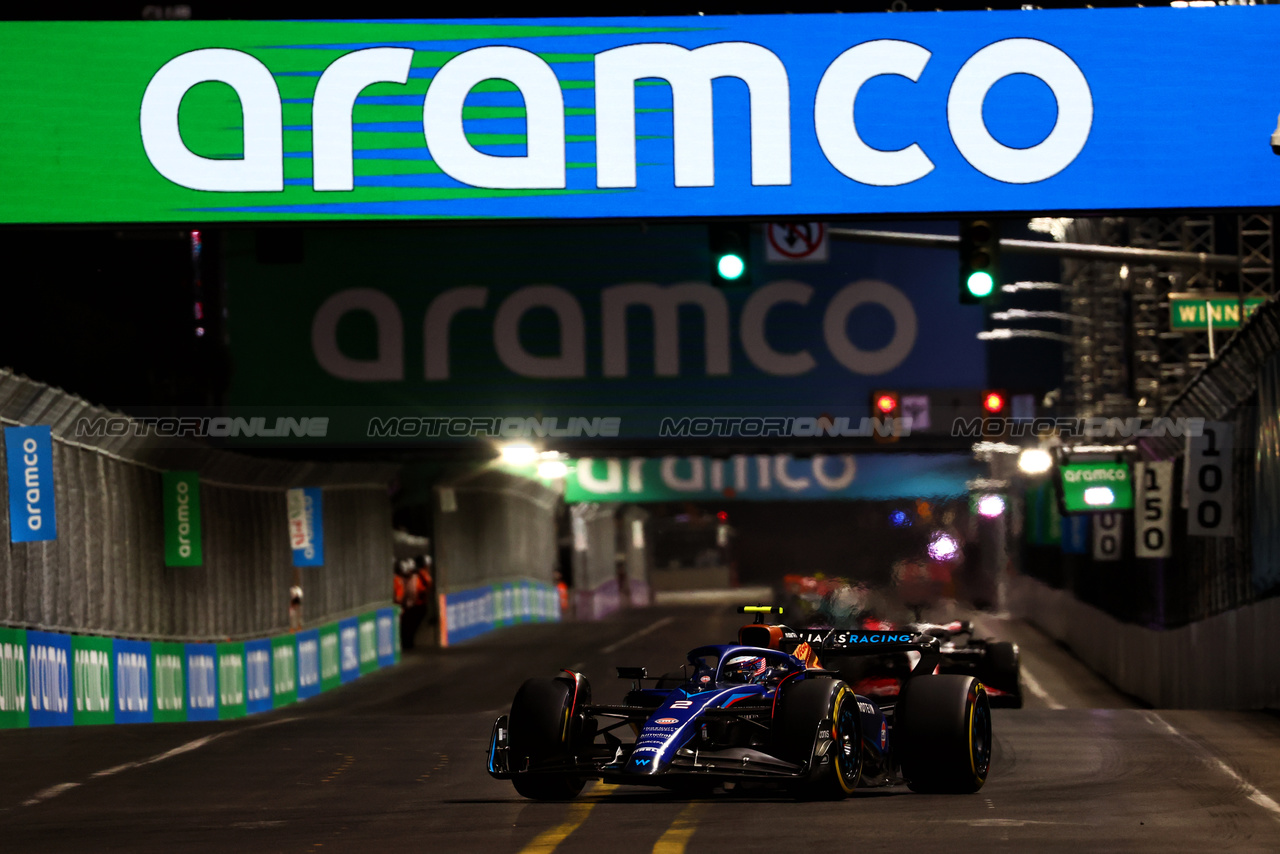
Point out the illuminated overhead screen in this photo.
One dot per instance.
(1068, 110)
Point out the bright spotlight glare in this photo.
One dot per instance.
(1035, 461)
(552, 469)
(943, 547)
(990, 506)
(519, 454)
(1099, 496)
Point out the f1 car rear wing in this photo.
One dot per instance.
(863, 641)
(809, 644)
(827, 642)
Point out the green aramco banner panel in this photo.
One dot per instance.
(169, 679)
(13, 678)
(91, 679)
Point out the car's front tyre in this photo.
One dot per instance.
(540, 734)
(834, 755)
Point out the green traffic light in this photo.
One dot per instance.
(730, 266)
(980, 283)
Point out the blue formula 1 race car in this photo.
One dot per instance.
(752, 713)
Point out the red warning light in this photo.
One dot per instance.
(723, 517)
(993, 402)
(886, 403)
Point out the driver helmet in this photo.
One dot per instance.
(745, 668)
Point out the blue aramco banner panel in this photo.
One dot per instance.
(308, 664)
(32, 511)
(131, 670)
(49, 657)
(1067, 110)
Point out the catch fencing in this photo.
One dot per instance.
(105, 572)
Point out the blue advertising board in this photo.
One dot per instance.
(1075, 534)
(49, 667)
(32, 511)
(308, 663)
(468, 614)
(257, 675)
(387, 639)
(131, 672)
(306, 525)
(349, 648)
(202, 681)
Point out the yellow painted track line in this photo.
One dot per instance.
(677, 835)
(547, 841)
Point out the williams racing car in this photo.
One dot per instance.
(762, 711)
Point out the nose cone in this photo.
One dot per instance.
(644, 765)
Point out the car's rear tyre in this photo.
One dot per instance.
(1002, 670)
(540, 734)
(803, 708)
(942, 729)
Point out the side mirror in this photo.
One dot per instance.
(632, 673)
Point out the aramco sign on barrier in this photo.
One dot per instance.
(1074, 109)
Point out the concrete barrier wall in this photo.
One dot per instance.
(495, 554)
(493, 528)
(1228, 661)
(595, 561)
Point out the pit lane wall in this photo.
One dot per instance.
(1227, 661)
(54, 679)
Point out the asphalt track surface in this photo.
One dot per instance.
(394, 762)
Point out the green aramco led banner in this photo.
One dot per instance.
(747, 115)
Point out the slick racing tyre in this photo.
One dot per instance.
(1002, 671)
(942, 729)
(834, 756)
(540, 735)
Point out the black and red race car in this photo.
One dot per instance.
(997, 664)
(819, 602)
